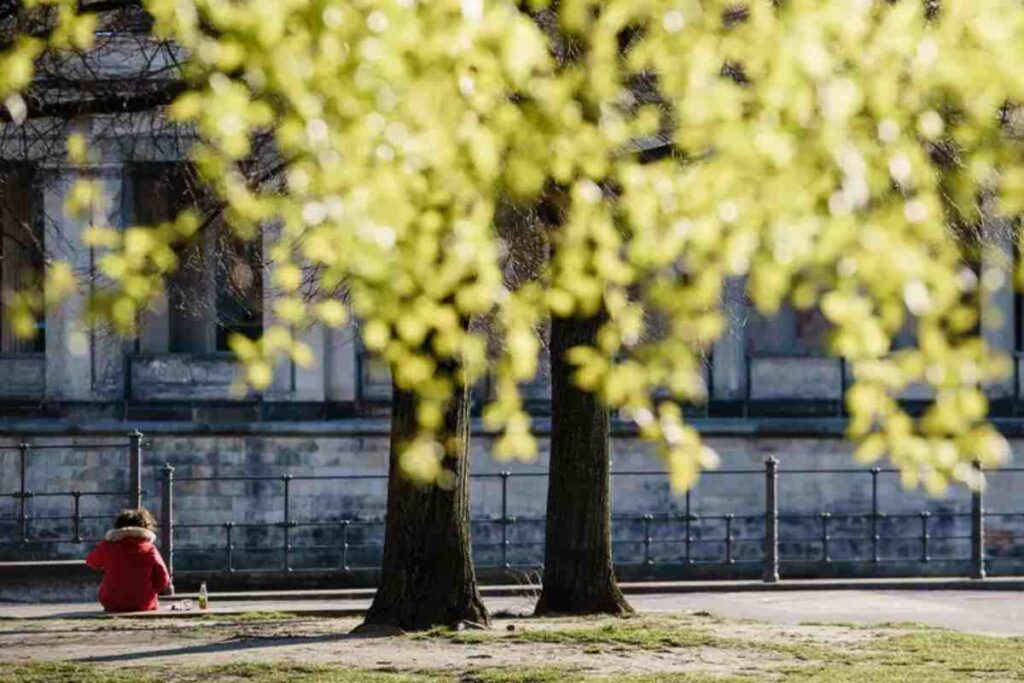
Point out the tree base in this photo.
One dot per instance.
(606, 599)
(424, 612)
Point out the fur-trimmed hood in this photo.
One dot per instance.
(115, 535)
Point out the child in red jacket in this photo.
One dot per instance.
(133, 571)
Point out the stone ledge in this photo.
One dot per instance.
(25, 582)
(22, 376)
(380, 426)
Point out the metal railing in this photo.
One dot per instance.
(695, 532)
(673, 534)
(22, 520)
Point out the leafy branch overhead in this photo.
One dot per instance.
(827, 151)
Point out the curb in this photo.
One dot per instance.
(306, 603)
(656, 588)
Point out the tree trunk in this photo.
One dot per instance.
(578, 573)
(427, 577)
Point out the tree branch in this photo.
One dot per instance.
(162, 94)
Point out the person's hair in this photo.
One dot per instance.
(139, 517)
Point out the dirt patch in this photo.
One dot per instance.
(647, 645)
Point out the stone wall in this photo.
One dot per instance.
(177, 376)
(321, 507)
(22, 376)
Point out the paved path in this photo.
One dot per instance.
(992, 612)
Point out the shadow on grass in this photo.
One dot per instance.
(241, 644)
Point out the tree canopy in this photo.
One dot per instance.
(830, 152)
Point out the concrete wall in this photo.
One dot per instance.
(202, 507)
(809, 379)
(174, 376)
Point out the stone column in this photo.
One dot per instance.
(998, 326)
(340, 366)
(310, 383)
(81, 364)
(728, 371)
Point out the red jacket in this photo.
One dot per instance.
(133, 571)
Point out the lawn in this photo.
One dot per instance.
(696, 647)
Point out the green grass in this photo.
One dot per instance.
(932, 655)
(916, 652)
(228, 673)
(637, 633)
(61, 672)
(261, 616)
(540, 675)
(286, 673)
(554, 674)
(882, 654)
(888, 625)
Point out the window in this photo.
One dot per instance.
(217, 289)
(21, 251)
(239, 275)
(1018, 323)
(374, 377)
(789, 333)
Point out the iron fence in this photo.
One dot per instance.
(18, 526)
(672, 533)
(698, 530)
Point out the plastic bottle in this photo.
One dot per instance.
(204, 598)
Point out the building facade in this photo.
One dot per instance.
(72, 394)
(248, 495)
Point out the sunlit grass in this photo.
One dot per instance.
(882, 653)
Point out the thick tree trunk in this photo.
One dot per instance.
(578, 573)
(427, 576)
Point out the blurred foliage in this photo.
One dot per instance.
(824, 150)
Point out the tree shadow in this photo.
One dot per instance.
(50, 616)
(239, 644)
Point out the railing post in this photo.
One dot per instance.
(167, 521)
(23, 491)
(925, 557)
(504, 519)
(978, 527)
(688, 540)
(135, 469)
(229, 545)
(729, 559)
(826, 556)
(287, 556)
(874, 514)
(648, 560)
(344, 545)
(76, 521)
(771, 520)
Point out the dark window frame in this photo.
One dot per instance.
(32, 184)
(181, 193)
